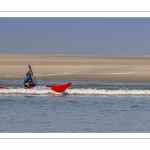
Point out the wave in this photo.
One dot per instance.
(83, 91)
(78, 91)
(38, 91)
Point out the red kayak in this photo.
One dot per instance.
(59, 87)
(3, 87)
(56, 87)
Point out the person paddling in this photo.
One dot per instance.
(28, 80)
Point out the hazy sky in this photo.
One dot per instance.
(75, 36)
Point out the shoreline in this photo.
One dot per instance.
(76, 68)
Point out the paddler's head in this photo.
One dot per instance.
(28, 74)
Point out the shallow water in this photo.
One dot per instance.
(86, 107)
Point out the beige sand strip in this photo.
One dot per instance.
(84, 68)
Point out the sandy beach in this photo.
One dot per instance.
(76, 68)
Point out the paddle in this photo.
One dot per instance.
(32, 74)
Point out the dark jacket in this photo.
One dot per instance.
(29, 79)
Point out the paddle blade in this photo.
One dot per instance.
(30, 69)
(29, 66)
(32, 74)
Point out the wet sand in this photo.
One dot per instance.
(76, 68)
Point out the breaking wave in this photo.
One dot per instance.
(37, 91)
(83, 91)
(83, 88)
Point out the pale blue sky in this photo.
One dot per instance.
(75, 36)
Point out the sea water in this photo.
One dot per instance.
(86, 107)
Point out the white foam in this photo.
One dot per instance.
(82, 91)
(79, 91)
(38, 90)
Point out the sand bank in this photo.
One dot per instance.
(76, 68)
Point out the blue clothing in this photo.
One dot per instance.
(29, 79)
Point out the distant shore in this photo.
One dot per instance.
(76, 68)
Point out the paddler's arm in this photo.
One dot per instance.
(33, 77)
